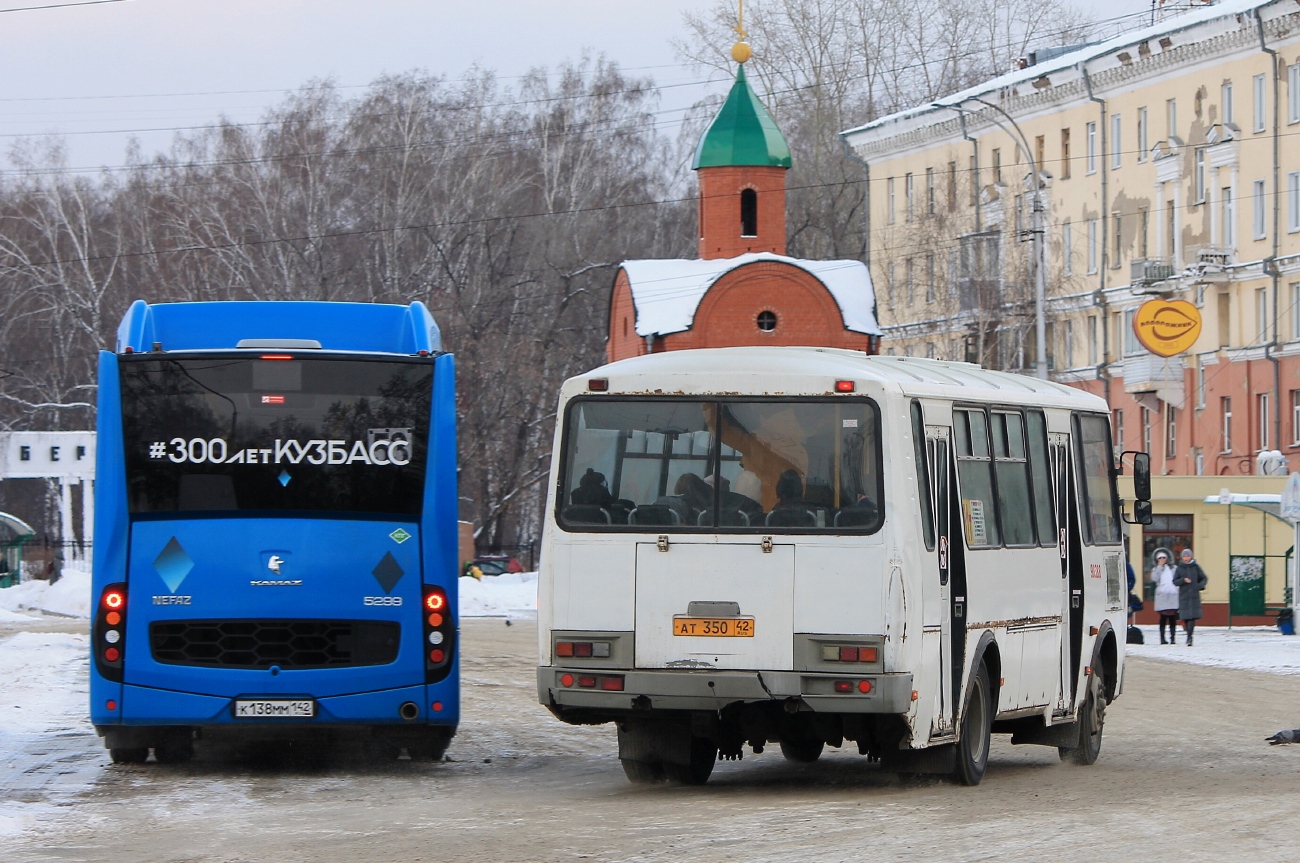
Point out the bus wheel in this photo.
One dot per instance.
(132, 755)
(643, 772)
(802, 751)
(704, 754)
(1092, 718)
(973, 748)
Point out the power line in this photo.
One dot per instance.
(60, 5)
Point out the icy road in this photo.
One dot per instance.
(1184, 775)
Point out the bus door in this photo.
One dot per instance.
(1070, 548)
(949, 646)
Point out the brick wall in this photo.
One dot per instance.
(719, 211)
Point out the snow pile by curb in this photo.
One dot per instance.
(1243, 648)
(69, 596)
(512, 594)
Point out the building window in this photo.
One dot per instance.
(1144, 415)
(1294, 309)
(1226, 101)
(1092, 246)
(1228, 222)
(1131, 344)
(1142, 135)
(1261, 401)
(1293, 201)
(909, 193)
(1091, 159)
(1068, 359)
(1293, 93)
(1200, 461)
(1119, 429)
(1225, 409)
(1067, 249)
(1040, 153)
(1295, 417)
(1200, 383)
(952, 186)
(1116, 148)
(1260, 202)
(1092, 340)
(929, 191)
(929, 350)
(1144, 221)
(748, 213)
(1171, 230)
(890, 282)
(1261, 113)
(1261, 315)
(1171, 431)
(889, 194)
(997, 165)
(1117, 239)
(910, 282)
(929, 278)
(1198, 177)
(974, 184)
(1171, 118)
(766, 321)
(1065, 154)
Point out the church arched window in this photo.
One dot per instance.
(748, 213)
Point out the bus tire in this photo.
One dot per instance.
(129, 755)
(704, 754)
(1091, 722)
(802, 751)
(976, 727)
(642, 772)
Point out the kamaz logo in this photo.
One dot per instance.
(274, 563)
(276, 582)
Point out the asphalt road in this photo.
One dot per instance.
(1184, 775)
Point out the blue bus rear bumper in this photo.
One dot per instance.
(141, 705)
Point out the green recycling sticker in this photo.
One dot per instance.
(399, 536)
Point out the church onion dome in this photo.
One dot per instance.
(743, 133)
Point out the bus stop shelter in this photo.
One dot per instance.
(1247, 571)
(14, 534)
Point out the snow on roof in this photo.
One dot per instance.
(1186, 21)
(666, 293)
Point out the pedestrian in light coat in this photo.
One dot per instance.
(1191, 580)
(1162, 575)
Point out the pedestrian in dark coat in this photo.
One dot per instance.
(1191, 580)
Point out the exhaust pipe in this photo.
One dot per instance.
(408, 711)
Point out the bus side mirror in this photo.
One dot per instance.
(1141, 512)
(1142, 480)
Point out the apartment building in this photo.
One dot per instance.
(1161, 163)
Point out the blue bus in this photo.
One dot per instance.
(275, 550)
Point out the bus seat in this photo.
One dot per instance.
(730, 518)
(654, 513)
(858, 516)
(202, 491)
(791, 517)
(586, 513)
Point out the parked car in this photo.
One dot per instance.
(496, 564)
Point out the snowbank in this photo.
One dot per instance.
(1244, 648)
(509, 595)
(69, 596)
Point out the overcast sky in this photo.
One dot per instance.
(90, 72)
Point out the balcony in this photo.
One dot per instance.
(1161, 377)
(1147, 274)
(1210, 263)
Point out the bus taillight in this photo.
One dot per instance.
(110, 633)
(439, 634)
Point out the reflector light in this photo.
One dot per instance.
(843, 686)
(864, 686)
(128, 350)
(114, 599)
(436, 637)
(564, 648)
(111, 704)
(437, 707)
(611, 684)
(435, 600)
(112, 636)
(435, 619)
(848, 654)
(566, 679)
(112, 654)
(112, 618)
(598, 385)
(277, 356)
(867, 654)
(582, 648)
(830, 653)
(436, 655)
(600, 649)
(422, 352)
(587, 681)
(844, 386)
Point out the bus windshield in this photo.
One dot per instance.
(735, 465)
(285, 434)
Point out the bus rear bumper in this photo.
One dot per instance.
(713, 690)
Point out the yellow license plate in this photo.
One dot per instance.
(714, 627)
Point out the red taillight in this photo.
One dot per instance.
(435, 599)
(114, 599)
(582, 648)
(111, 704)
(867, 654)
(112, 618)
(566, 680)
(272, 400)
(437, 707)
(598, 385)
(435, 620)
(843, 686)
(848, 654)
(611, 684)
(844, 386)
(864, 686)
(112, 654)
(564, 648)
(587, 681)
(436, 655)
(277, 356)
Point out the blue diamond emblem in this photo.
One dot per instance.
(173, 564)
(284, 477)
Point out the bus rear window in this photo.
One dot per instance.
(252, 434)
(723, 466)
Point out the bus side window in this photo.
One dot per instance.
(1015, 512)
(1039, 469)
(1095, 467)
(922, 475)
(975, 475)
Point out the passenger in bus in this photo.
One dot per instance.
(734, 503)
(790, 509)
(591, 490)
(691, 496)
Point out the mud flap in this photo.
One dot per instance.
(936, 759)
(1034, 732)
(662, 742)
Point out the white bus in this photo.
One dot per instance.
(810, 546)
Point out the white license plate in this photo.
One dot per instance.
(267, 708)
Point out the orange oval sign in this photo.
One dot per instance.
(1167, 327)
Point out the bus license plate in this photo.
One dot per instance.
(266, 708)
(714, 627)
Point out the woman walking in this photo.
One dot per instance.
(1191, 580)
(1162, 575)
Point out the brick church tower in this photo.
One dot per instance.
(743, 289)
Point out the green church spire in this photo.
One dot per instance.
(743, 133)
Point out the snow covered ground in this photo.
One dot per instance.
(509, 595)
(1245, 648)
